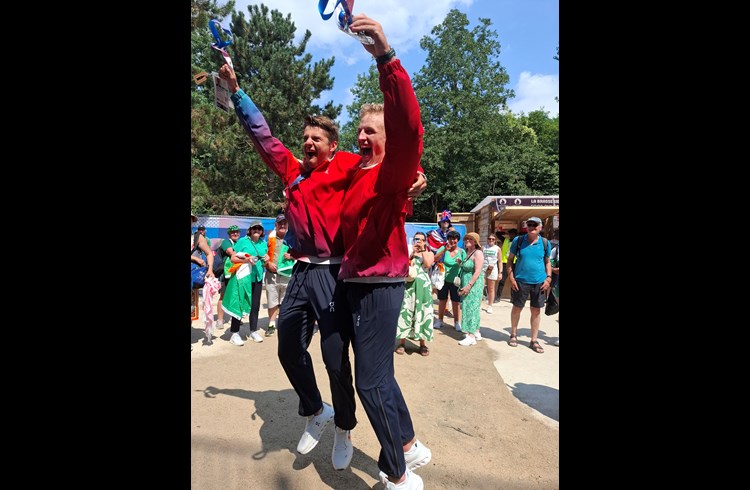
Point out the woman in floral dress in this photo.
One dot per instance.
(415, 320)
(472, 283)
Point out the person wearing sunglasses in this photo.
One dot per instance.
(529, 276)
(491, 270)
(315, 187)
(244, 286)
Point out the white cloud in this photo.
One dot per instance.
(405, 23)
(534, 92)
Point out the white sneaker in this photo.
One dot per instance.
(343, 450)
(314, 428)
(437, 323)
(468, 340)
(458, 326)
(478, 336)
(418, 455)
(236, 339)
(412, 482)
(219, 324)
(256, 336)
(489, 310)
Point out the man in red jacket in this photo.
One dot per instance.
(376, 259)
(315, 189)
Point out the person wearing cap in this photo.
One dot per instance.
(199, 248)
(224, 253)
(530, 275)
(472, 283)
(243, 282)
(439, 238)
(278, 271)
(376, 258)
(202, 231)
(258, 249)
(315, 187)
(198, 244)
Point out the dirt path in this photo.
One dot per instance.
(245, 425)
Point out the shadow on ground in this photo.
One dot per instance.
(542, 398)
(273, 408)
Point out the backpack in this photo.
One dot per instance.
(545, 242)
(218, 268)
(219, 256)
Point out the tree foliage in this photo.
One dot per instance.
(228, 175)
(365, 91)
(474, 145)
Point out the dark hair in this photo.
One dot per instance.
(513, 230)
(453, 234)
(324, 123)
(262, 230)
(419, 233)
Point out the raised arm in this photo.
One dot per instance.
(403, 125)
(273, 152)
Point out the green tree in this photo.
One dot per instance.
(365, 91)
(228, 175)
(463, 96)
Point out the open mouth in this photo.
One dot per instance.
(365, 152)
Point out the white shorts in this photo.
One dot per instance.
(275, 288)
(493, 275)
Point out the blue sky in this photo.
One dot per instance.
(528, 32)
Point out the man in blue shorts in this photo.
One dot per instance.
(531, 275)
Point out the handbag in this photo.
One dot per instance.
(412, 273)
(457, 279)
(552, 306)
(198, 275)
(437, 276)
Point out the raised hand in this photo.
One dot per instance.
(371, 27)
(227, 73)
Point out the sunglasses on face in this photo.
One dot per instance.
(491, 239)
(233, 232)
(255, 228)
(531, 225)
(419, 239)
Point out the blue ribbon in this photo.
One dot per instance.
(215, 26)
(322, 4)
(344, 18)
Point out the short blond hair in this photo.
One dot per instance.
(370, 109)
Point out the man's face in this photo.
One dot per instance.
(444, 225)
(532, 227)
(371, 138)
(316, 147)
(281, 227)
